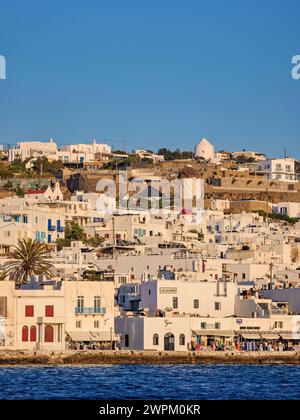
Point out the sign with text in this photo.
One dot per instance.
(167, 290)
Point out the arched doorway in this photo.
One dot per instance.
(169, 342)
(33, 333)
(49, 334)
(25, 333)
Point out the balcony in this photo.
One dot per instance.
(60, 229)
(90, 311)
(51, 228)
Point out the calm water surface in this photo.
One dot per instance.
(151, 382)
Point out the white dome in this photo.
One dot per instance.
(205, 150)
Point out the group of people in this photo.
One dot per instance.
(95, 345)
(262, 346)
(246, 345)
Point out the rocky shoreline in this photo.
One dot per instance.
(18, 358)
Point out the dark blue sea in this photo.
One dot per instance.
(197, 382)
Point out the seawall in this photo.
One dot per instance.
(16, 358)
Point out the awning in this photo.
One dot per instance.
(213, 333)
(290, 336)
(251, 336)
(89, 336)
(79, 336)
(270, 336)
(102, 336)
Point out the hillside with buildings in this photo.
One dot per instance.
(142, 250)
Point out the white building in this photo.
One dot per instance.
(84, 152)
(278, 169)
(249, 154)
(33, 149)
(147, 154)
(205, 150)
(287, 209)
(187, 296)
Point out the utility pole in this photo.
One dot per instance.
(271, 276)
(114, 237)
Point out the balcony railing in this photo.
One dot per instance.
(90, 311)
(51, 228)
(60, 229)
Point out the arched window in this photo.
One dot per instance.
(25, 333)
(182, 340)
(33, 333)
(155, 340)
(49, 335)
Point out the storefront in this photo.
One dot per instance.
(212, 340)
(291, 340)
(91, 340)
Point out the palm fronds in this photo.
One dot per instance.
(28, 258)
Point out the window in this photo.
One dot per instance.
(49, 310)
(97, 302)
(96, 324)
(126, 340)
(25, 333)
(244, 276)
(203, 325)
(217, 306)
(175, 302)
(155, 340)
(78, 324)
(217, 325)
(196, 303)
(33, 333)
(182, 340)
(29, 310)
(80, 302)
(278, 324)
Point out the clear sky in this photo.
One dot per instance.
(152, 73)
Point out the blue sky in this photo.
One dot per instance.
(150, 74)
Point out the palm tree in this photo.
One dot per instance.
(28, 258)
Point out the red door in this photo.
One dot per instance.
(25, 333)
(33, 333)
(49, 333)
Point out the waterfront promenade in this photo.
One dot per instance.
(145, 357)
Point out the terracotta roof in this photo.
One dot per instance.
(36, 191)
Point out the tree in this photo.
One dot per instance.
(73, 232)
(28, 258)
(42, 165)
(94, 241)
(177, 154)
(20, 191)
